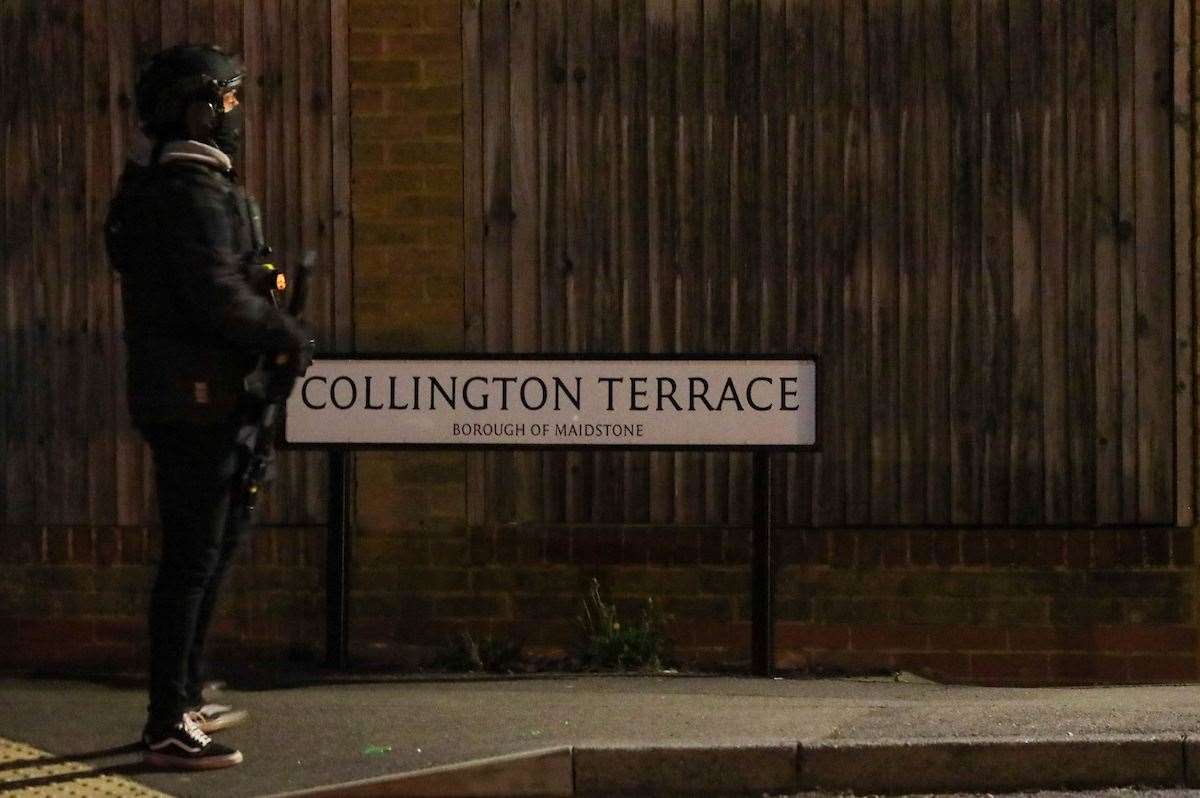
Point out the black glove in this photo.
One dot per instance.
(280, 382)
(290, 366)
(300, 359)
(299, 355)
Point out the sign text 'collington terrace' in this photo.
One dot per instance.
(653, 402)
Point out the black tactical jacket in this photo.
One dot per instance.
(178, 232)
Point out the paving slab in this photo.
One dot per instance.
(545, 773)
(991, 764)
(608, 772)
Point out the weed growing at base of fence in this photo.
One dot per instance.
(463, 654)
(609, 643)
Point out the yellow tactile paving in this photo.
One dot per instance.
(27, 772)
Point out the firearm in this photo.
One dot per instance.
(257, 449)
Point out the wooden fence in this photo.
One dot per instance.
(975, 212)
(67, 71)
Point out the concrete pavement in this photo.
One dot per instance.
(606, 735)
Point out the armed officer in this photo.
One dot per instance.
(196, 325)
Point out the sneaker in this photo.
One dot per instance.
(185, 747)
(214, 717)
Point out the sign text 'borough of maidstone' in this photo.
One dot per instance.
(548, 403)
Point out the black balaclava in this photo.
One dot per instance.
(227, 133)
(182, 75)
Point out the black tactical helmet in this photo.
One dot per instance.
(181, 75)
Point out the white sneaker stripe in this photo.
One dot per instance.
(173, 741)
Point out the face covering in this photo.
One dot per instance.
(227, 135)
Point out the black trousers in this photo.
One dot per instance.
(195, 471)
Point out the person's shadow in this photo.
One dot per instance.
(120, 768)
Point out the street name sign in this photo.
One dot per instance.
(544, 401)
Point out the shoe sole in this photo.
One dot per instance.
(224, 722)
(158, 760)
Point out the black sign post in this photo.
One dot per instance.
(337, 560)
(755, 403)
(762, 571)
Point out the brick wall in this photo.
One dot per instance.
(406, 125)
(995, 607)
(75, 598)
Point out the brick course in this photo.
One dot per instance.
(75, 598)
(1029, 619)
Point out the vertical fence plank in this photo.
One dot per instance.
(120, 77)
(52, 215)
(913, 355)
(689, 189)
(473, 224)
(341, 267)
(275, 132)
(580, 471)
(1126, 216)
(524, 258)
(801, 302)
(939, 198)
(254, 117)
(551, 100)
(829, 132)
(498, 223)
(660, 75)
(771, 284)
(994, 323)
(73, 381)
(1155, 277)
(717, 135)
(771, 287)
(174, 22)
(87, 421)
(43, 156)
(150, 35)
(296, 206)
(1183, 130)
(608, 467)
(744, 209)
(1081, 346)
(227, 26)
(966, 465)
(605, 331)
(1107, 269)
(275, 167)
(50, 257)
(635, 329)
(200, 21)
(8, 111)
(319, 232)
(302, 157)
(1026, 477)
(18, 248)
(883, 23)
(857, 207)
(1053, 264)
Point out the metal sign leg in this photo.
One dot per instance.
(762, 576)
(337, 559)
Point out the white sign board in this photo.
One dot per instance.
(545, 403)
